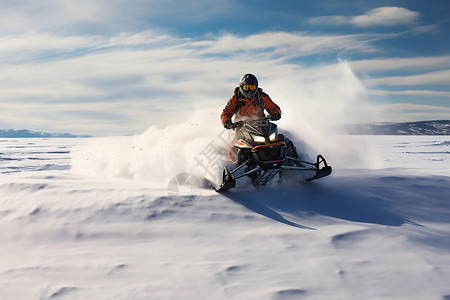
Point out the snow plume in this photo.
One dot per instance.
(316, 105)
(197, 145)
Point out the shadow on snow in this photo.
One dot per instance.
(382, 200)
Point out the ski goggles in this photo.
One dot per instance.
(249, 87)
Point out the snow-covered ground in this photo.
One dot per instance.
(378, 232)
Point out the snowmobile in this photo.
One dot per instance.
(261, 153)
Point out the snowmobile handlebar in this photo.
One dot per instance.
(240, 123)
(237, 124)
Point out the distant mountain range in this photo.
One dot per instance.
(24, 133)
(438, 127)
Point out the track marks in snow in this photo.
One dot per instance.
(289, 294)
(25, 270)
(54, 167)
(350, 238)
(117, 269)
(24, 187)
(63, 291)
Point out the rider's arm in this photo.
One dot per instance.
(229, 110)
(270, 106)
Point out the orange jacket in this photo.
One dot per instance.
(250, 109)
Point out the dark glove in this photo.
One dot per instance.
(275, 116)
(228, 124)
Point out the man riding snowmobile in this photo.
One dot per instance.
(259, 151)
(248, 103)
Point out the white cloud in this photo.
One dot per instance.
(292, 44)
(430, 78)
(425, 29)
(386, 16)
(399, 107)
(407, 112)
(401, 64)
(36, 45)
(12, 46)
(417, 74)
(411, 93)
(98, 67)
(126, 82)
(102, 16)
(330, 20)
(51, 15)
(382, 16)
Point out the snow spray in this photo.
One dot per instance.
(316, 104)
(197, 145)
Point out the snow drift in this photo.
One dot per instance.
(360, 234)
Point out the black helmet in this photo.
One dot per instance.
(248, 85)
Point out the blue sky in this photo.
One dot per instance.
(117, 67)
